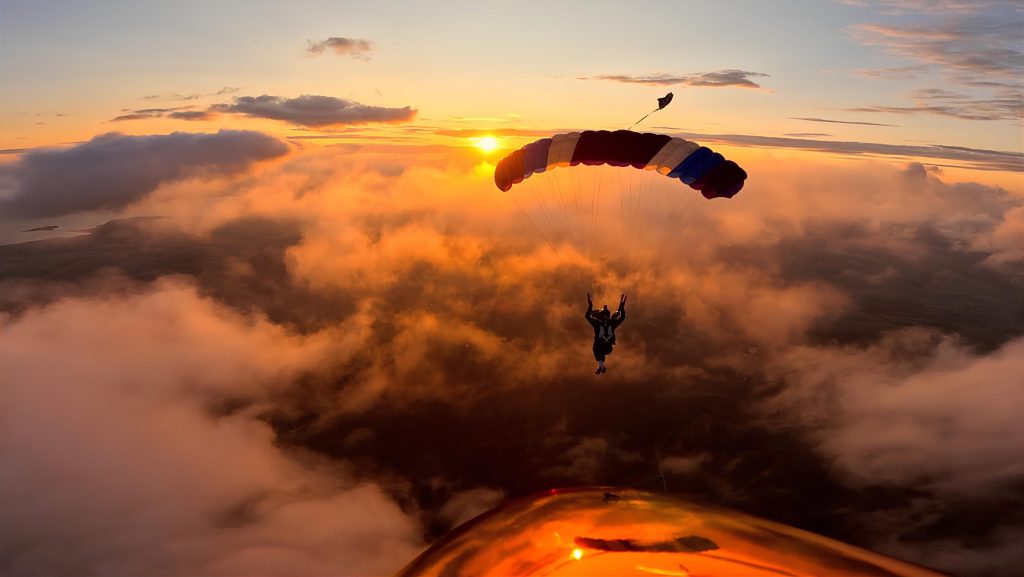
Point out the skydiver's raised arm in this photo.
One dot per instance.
(620, 315)
(590, 308)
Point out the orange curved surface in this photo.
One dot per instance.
(591, 532)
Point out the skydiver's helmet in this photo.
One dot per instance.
(604, 314)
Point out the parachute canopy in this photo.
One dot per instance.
(694, 165)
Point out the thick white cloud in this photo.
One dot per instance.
(131, 445)
(914, 409)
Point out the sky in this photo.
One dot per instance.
(263, 310)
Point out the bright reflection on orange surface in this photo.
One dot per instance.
(625, 532)
(488, 144)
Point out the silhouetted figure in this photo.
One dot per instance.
(604, 323)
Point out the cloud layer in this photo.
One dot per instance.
(715, 79)
(128, 440)
(354, 47)
(114, 170)
(832, 121)
(318, 111)
(974, 45)
(423, 350)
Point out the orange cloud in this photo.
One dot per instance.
(410, 309)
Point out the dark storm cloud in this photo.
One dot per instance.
(717, 79)
(311, 110)
(832, 121)
(354, 47)
(114, 170)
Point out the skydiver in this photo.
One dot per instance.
(604, 323)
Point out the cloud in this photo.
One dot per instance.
(144, 113)
(191, 115)
(980, 159)
(177, 113)
(900, 7)
(141, 114)
(976, 158)
(893, 72)
(476, 133)
(976, 44)
(114, 170)
(1006, 240)
(916, 409)
(354, 47)
(717, 79)
(919, 410)
(147, 441)
(452, 330)
(172, 96)
(310, 110)
(839, 121)
(1006, 105)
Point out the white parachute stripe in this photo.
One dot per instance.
(659, 156)
(556, 146)
(678, 154)
(568, 147)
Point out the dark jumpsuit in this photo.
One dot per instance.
(604, 333)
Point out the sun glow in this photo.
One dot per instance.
(487, 144)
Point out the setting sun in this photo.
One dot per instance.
(486, 143)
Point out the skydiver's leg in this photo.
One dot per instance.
(599, 357)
